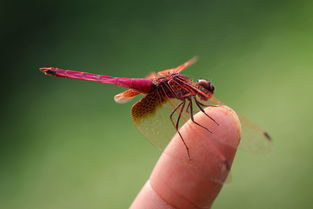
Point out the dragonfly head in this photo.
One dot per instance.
(206, 86)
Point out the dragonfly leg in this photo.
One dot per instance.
(192, 118)
(176, 108)
(199, 104)
(182, 105)
(187, 108)
(204, 105)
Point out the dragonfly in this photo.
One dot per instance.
(169, 99)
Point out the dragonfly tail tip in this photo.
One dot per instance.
(47, 70)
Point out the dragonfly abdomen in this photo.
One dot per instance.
(142, 85)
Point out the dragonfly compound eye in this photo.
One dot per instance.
(211, 87)
(206, 85)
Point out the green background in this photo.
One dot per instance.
(65, 144)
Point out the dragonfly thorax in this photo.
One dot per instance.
(180, 87)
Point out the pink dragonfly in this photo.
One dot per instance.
(170, 98)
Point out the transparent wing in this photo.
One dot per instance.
(152, 116)
(253, 138)
(152, 113)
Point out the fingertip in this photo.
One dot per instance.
(195, 182)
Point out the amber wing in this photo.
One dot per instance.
(151, 116)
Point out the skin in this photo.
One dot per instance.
(180, 182)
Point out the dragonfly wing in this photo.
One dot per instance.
(125, 96)
(253, 138)
(151, 117)
(178, 69)
(152, 113)
(151, 76)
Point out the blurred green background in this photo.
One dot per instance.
(65, 143)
